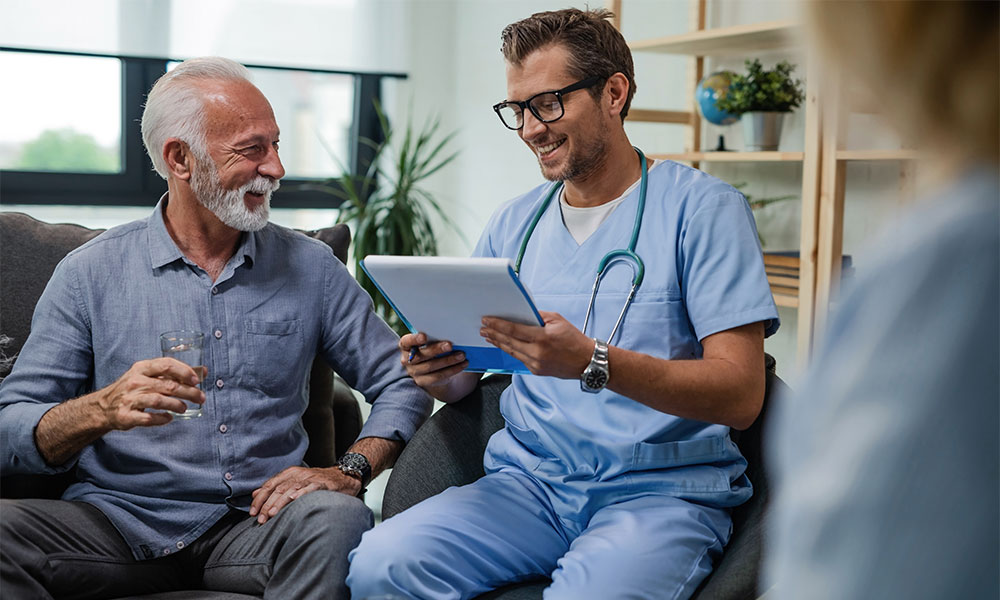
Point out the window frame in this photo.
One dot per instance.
(138, 184)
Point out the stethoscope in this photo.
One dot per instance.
(621, 255)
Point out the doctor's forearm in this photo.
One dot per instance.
(726, 386)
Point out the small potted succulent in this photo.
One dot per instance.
(762, 98)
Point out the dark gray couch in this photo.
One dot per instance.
(30, 250)
(448, 450)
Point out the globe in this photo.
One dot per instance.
(710, 89)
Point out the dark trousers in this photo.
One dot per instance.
(61, 549)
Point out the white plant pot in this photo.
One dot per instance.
(762, 130)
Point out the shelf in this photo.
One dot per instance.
(738, 39)
(732, 156)
(660, 116)
(877, 155)
(785, 300)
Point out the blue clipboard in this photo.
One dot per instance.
(447, 297)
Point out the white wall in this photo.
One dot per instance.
(450, 49)
(456, 70)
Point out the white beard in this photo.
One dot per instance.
(228, 205)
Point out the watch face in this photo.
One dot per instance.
(596, 379)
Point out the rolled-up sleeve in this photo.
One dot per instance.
(364, 351)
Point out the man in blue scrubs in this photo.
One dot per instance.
(615, 473)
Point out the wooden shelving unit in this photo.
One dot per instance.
(806, 282)
(789, 291)
(876, 155)
(732, 156)
(724, 41)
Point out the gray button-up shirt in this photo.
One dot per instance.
(281, 300)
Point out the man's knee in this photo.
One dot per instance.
(21, 525)
(330, 514)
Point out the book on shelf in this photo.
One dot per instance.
(782, 269)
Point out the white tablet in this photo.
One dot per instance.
(447, 298)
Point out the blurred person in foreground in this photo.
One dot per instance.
(223, 502)
(888, 454)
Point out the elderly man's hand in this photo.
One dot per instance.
(293, 482)
(157, 384)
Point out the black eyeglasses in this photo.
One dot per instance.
(546, 106)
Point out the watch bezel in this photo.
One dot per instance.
(598, 367)
(356, 464)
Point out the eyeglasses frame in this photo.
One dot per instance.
(526, 104)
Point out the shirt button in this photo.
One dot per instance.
(228, 476)
(218, 334)
(215, 290)
(223, 428)
(180, 545)
(219, 383)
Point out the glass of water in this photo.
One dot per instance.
(187, 347)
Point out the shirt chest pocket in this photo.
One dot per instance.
(277, 356)
(657, 324)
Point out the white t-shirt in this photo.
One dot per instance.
(583, 221)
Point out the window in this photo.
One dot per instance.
(71, 135)
(45, 127)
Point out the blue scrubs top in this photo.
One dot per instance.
(704, 274)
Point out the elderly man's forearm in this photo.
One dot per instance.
(68, 428)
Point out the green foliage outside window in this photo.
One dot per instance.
(69, 151)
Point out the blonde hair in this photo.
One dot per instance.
(934, 65)
(175, 106)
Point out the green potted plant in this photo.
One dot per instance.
(762, 98)
(386, 207)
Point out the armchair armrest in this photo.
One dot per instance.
(448, 449)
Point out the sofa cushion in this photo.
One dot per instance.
(30, 251)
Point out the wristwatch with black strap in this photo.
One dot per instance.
(356, 465)
(595, 376)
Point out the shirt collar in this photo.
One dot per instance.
(163, 250)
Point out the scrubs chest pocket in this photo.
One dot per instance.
(657, 324)
(276, 357)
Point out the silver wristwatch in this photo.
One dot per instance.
(595, 376)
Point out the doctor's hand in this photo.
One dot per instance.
(556, 349)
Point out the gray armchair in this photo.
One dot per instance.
(448, 450)
(29, 252)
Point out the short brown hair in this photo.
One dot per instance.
(595, 47)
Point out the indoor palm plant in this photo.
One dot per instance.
(386, 207)
(761, 98)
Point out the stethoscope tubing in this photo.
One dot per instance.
(619, 255)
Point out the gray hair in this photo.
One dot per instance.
(176, 108)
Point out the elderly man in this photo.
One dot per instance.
(222, 502)
(615, 472)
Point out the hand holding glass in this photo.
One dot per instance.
(185, 346)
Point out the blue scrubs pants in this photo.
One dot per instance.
(503, 528)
